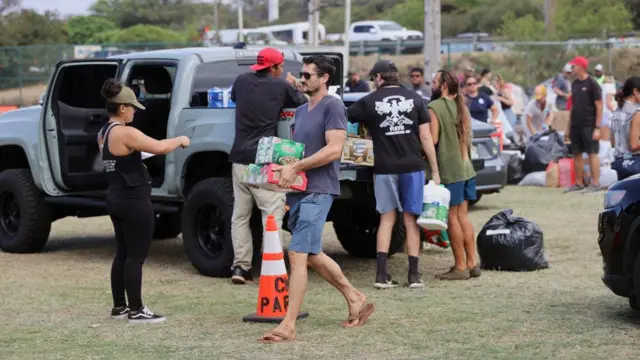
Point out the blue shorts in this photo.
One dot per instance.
(399, 191)
(462, 191)
(307, 216)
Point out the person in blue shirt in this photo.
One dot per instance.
(480, 103)
(355, 84)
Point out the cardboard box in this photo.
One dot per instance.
(357, 152)
(274, 150)
(559, 120)
(264, 177)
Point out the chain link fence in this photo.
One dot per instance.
(25, 71)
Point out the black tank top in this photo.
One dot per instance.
(127, 175)
(504, 106)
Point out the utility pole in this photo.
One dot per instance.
(311, 18)
(241, 20)
(216, 21)
(347, 26)
(437, 35)
(429, 62)
(549, 16)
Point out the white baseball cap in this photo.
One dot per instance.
(567, 68)
(599, 67)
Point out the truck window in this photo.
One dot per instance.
(223, 74)
(79, 86)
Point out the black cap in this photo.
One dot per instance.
(383, 66)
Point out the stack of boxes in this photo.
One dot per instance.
(275, 151)
(358, 148)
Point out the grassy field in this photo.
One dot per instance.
(55, 304)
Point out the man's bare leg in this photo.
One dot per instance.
(331, 272)
(297, 288)
(594, 166)
(383, 240)
(469, 238)
(456, 236)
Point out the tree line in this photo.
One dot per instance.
(179, 21)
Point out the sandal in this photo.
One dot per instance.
(362, 316)
(277, 336)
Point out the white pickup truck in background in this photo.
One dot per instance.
(379, 30)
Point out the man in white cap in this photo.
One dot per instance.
(599, 74)
(562, 87)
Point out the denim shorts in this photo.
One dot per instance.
(399, 191)
(307, 216)
(462, 191)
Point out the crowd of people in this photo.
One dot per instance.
(426, 141)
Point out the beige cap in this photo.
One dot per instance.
(540, 92)
(127, 96)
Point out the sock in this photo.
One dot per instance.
(381, 262)
(413, 265)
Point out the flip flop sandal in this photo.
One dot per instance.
(362, 317)
(272, 337)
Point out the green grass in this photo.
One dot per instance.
(55, 304)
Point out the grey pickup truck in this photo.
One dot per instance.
(48, 152)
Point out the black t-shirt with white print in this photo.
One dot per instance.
(392, 114)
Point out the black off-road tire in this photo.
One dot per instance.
(473, 202)
(356, 226)
(211, 255)
(634, 299)
(18, 191)
(167, 226)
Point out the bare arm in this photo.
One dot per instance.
(434, 127)
(428, 147)
(507, 98)
(610, 103)
(598, 112)
(331, 152)
(494, 112)
(634, 132)
(530, 124)
(137, 140)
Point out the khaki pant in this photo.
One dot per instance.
(269, 203)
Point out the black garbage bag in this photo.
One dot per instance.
(513, 162)
(544, 149)
(511, 243)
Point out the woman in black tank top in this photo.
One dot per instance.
(129, 198)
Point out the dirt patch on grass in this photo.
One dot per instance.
(56, 304)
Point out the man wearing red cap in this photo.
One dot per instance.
(584, 129)
(259, 95)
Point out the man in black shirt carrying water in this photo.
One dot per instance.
(398, 122)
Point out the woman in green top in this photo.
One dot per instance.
(452, 134)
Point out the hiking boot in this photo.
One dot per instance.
(240, 277)
(120, 312)
(574, 188)
(145, 316)
(475, 271)
(454, 274)
(387, 283)
(415, 281)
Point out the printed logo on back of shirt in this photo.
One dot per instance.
(396, 108)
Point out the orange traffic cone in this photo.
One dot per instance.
(273, 296)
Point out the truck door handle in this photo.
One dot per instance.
(95, 118)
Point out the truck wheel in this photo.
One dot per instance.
(206, 227)
(357, 228)
(25, 219)
(167, 226)
(634, 299)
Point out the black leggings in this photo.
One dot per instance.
(133, 221)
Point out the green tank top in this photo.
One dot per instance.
(450, 163)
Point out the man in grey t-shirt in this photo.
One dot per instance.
(321, 126)
(562, 87)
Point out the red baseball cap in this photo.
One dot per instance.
(580, 61)
(267, 57)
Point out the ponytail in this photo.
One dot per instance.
(619, 98)
(463, 126)
(630, 85)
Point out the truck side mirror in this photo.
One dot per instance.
(373, 30)
(41, 101)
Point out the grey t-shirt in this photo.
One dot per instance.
(621, 128)
(310, 127)
(563, 84)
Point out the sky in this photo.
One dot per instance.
(65, 7)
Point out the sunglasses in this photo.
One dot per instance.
(472, 83)
(305, 75)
